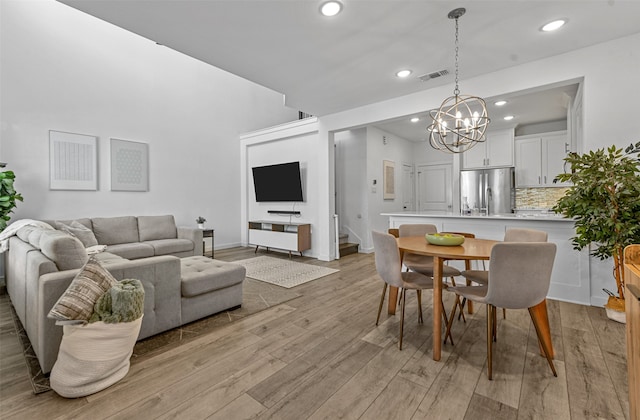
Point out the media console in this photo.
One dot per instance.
(288, 236)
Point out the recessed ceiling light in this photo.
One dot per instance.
(403, 73)
(552, 26)
(330, 8)
(500, 103)
(415, 119)
(509, 117)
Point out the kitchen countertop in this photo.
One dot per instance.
(511, 216)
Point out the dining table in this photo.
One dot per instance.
(470, 249)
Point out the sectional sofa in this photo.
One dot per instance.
(180, 284)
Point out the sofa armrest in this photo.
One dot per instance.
(194, 235)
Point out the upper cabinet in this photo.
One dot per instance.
(497, 150)
(540, 158)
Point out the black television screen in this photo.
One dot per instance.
(278, 182)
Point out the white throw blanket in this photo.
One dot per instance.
(14, 227)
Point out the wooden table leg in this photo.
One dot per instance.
(541, 317)
(437, 307)
(393, 299)
(467, 266)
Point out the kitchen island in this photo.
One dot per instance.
(570, 279)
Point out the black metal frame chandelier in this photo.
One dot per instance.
(462, 120)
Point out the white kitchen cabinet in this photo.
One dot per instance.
(540, 158)
(497, 150)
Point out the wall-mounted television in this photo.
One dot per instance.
(279, 182)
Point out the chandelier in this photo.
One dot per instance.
(462, 120)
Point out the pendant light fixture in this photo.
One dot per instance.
(462, 120)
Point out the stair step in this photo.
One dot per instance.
(343, 238)
(348, 248)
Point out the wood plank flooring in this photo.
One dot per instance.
(320, 356)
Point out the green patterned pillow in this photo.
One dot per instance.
(75, 306)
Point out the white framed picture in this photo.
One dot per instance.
(73, 161)
(129, 165)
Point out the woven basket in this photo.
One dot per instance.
(616, 310)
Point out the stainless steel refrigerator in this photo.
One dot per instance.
(487, 191)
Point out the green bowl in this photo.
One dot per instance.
(444, 239)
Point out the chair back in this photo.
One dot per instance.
(418, 229)
(525, 235)
(520, 274)
(387, 257)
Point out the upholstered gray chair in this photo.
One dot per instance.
(510, 235)
(519, 278)
(421, 263)
(389, 267)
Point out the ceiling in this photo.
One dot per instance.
(326, 65)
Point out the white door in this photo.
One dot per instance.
(408, 186)
(434, 187)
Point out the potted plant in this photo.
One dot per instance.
(200, 221)
(8, 197)
(604, 203)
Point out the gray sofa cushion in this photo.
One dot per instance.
(203, 275)
(115, 230)
(170, 246)
(131, 251)
(66, 251)
(80, 231)
(156, 227)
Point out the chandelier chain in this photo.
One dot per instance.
(456, 91)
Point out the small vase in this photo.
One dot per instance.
(200, 225)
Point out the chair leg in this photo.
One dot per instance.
(464, 300)
(419, 293)
(453, 283)
(450, 323)
(384, 292)
(543, 343)
(446, 322)
(490, 312)
(495, 324)
(404, 300)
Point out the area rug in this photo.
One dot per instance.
(281, 272)
(256, 296)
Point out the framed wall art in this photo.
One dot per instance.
(73, 161)
(388, 180)
(129, 165)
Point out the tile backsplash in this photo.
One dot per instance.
(538, 198)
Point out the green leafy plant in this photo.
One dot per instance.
(8, 197)
(604, 200)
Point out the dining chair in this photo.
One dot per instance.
(519, 278)
(511, 235)
(421, 263)
(389, 268)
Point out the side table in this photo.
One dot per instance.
(207, 233)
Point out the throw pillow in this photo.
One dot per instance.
(76, 303)
(80, 231)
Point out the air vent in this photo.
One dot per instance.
(433, 75)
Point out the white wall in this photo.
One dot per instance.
(351, 184)
(397, 150)
(65, 70)
(296, 141)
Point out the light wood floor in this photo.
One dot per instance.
(321, 356)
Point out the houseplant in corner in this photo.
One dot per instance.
(8, 197)
(604, 202)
